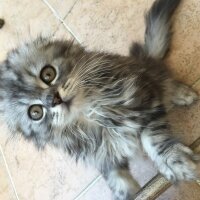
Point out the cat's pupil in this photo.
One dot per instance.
(48, 77)
(35, 112)
(48, 74)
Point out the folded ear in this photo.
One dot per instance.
(2, 103)
(3, 89)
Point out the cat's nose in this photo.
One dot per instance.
(57, 100)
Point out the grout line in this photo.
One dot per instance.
(90, 185)
(70, 9)
(9, 174)
(61, 20)
(72, 33)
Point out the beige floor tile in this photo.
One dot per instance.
(184, 55)
(99, 191)
(62, 33)
(24, 19)
(184, 191)
(108, 25)
(62, 7)
(6, 189)
(51, 174)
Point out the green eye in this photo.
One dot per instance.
(48, 74)
(35, 112)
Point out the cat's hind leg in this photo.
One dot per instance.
(177, 93)
(121, 182)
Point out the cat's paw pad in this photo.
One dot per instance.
(179, 164)
(185, 96)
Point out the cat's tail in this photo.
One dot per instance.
(158, 29)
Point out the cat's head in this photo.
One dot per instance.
(42, 88)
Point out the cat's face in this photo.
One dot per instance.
(41, 89)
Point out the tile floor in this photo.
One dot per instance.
(27, 174)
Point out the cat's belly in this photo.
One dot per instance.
(113, 148)
(100, 146)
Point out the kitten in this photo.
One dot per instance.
(100, 107)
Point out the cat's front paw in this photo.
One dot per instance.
(179, 163)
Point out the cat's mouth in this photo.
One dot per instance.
(68, 103)
(57, 100)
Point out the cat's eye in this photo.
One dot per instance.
(35, 112)
(48, 74)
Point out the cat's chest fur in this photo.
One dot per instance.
(94, 144)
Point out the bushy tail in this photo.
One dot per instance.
(157, 35)
(158, 28)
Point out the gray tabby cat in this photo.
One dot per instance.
(100, 107)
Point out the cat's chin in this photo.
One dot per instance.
(64, 114)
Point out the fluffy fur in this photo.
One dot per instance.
(104, 106)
